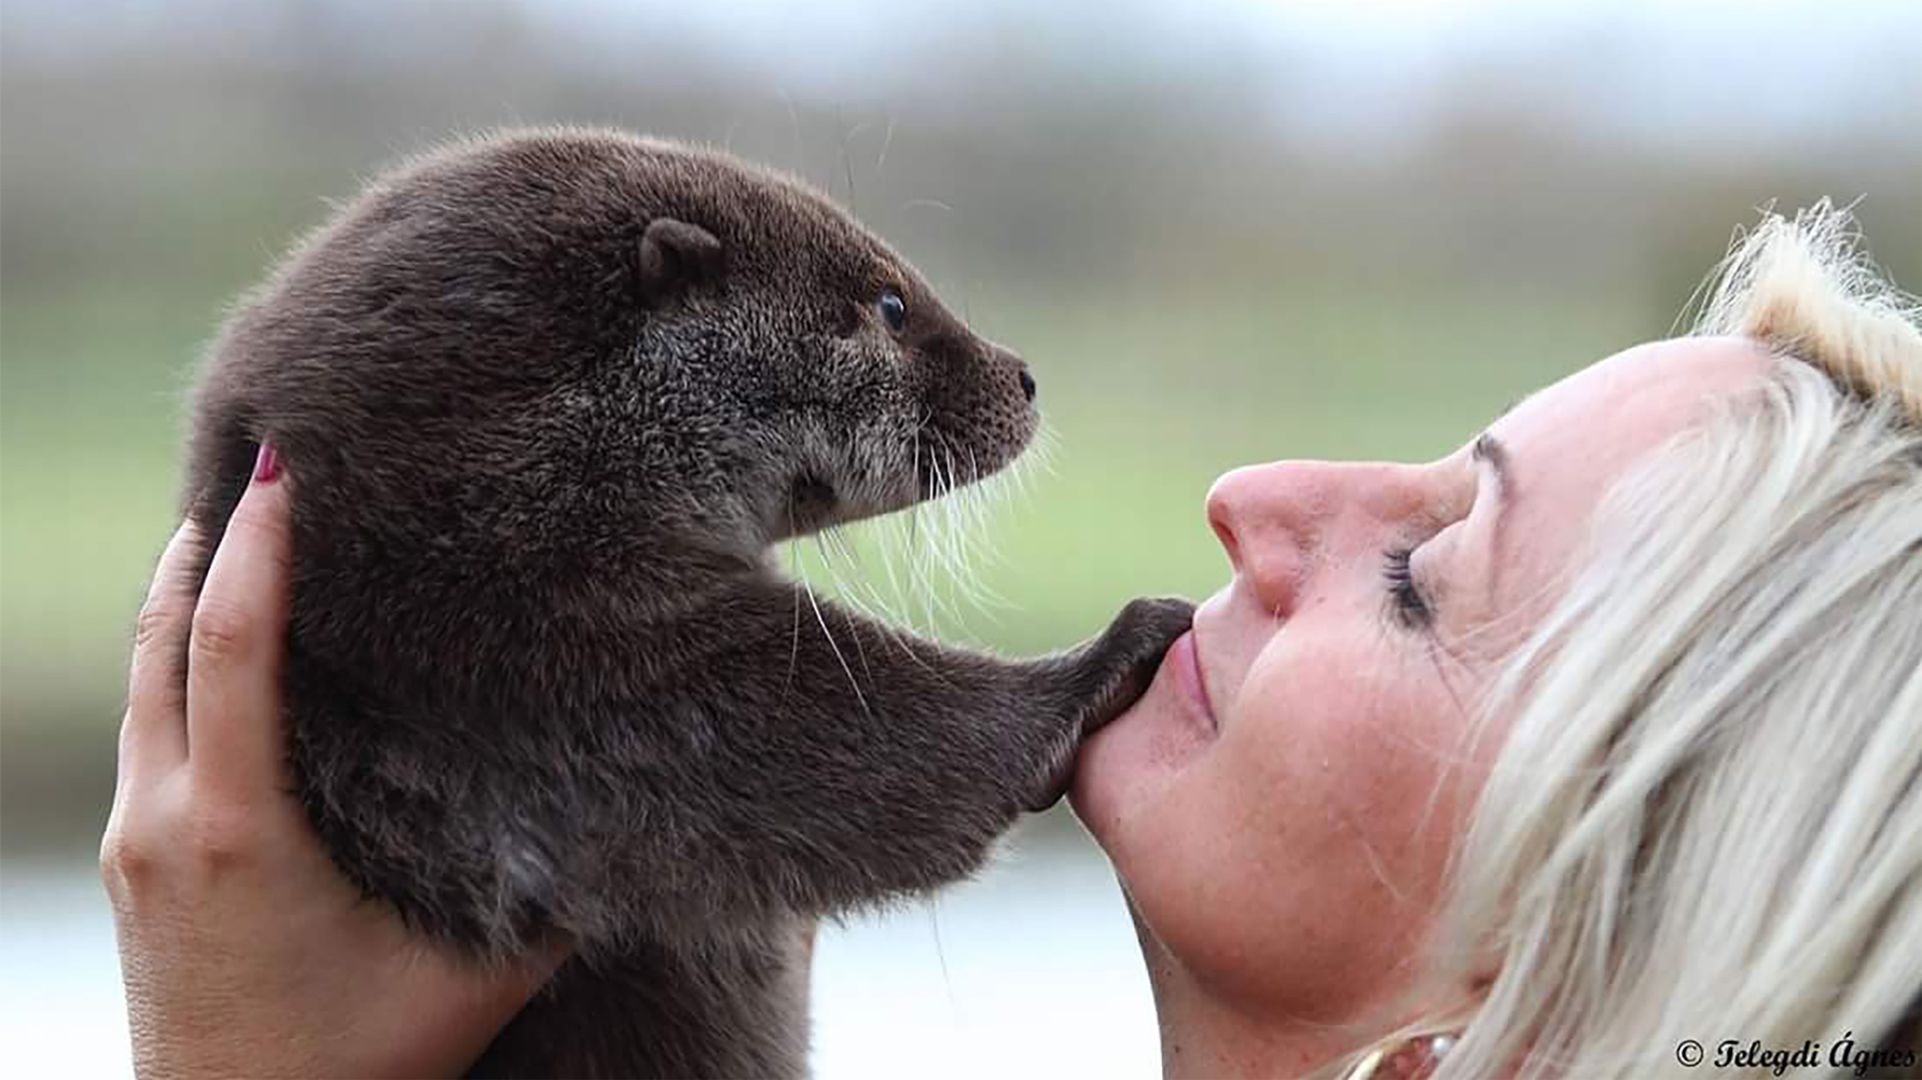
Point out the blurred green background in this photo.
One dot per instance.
(1221, 233)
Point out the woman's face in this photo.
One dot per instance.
(1281, 804)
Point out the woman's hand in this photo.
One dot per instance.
(243, 949)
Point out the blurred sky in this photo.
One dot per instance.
(1671, 69)
(1376, 63)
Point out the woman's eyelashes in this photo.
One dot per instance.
(1406, 601)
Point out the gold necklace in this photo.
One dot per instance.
(1407, 1059)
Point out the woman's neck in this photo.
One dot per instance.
(1208, 1033)
(1204, 1036)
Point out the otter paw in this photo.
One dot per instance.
(1129, 653)
(1109, 675)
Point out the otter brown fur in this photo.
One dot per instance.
(547, 399)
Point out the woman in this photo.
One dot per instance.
(1592, 747)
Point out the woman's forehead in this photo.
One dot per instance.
(1565, 445)
(1615, 409)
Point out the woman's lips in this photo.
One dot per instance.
(1185, 660)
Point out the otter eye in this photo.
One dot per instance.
(894, 311)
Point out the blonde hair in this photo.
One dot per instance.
(1705, 818)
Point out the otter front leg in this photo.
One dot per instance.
(1105, 675)
(874, 762)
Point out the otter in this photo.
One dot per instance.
(548, 399)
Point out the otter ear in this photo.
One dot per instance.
(675, 255)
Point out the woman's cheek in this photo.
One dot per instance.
(1289, 862)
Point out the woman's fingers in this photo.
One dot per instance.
(234, 738)
(153, 734)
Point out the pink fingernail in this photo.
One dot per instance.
(267, 465)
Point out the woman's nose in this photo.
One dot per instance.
(1261, 517)
(1277, 521)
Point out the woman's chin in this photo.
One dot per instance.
(1125, 766)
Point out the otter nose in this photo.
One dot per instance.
(1005, 358)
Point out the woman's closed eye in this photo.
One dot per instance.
(1406, 601)
(1412, 604)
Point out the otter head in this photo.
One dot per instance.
(582, 353)
(851, 389)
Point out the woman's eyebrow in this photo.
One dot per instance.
(1491, 453)
(1494, 453)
